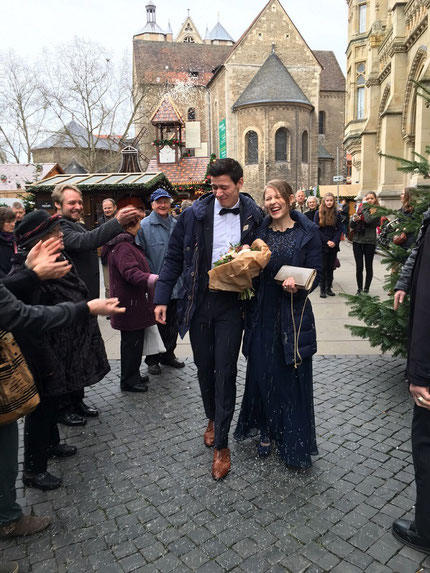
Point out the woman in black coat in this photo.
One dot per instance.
(64, 362)
(280, 338)
(312, 204)
(7, 240)
(330, 225)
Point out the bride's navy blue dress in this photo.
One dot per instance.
(278, 399)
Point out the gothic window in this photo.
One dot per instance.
(321, 122)
(360, 86)
(305, 147)
(281, 144)
(251, 139)
(188, 40)
(362, 18)
(191, 114)
(188, 28)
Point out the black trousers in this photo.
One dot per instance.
(10, 510)
(70, 401)
(364, 251)
(215, 335)
(131, 356)
(40, 433)
(169, 335)
(328, 262)
(421, 458)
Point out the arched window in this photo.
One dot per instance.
(251, 147)
(188, 40)
(321, 122)
(305, 147)
(191, 114)
(281, 144)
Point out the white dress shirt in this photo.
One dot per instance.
(226, 231)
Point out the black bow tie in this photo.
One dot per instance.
(234, 211)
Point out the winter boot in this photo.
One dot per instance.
(329, 290)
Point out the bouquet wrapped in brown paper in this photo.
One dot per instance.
(235, 270)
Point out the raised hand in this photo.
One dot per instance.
(127, 215)
(105, 306)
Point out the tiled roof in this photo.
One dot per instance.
(160, 62)
(273, 83)
(167, 113)
(15, 176)
(332, 78)
(74, 135)
(188, 170)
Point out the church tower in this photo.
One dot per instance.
(152, 31)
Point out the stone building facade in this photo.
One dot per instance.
(387, 52)
(267, 100)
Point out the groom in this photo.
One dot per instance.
(203, 233)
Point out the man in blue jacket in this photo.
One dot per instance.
(154, 237)
(202, 234)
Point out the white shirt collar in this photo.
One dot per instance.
(218, 207)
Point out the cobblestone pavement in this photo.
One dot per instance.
(139, 495)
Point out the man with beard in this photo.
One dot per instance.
(81, 245)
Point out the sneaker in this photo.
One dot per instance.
(44, 481)
(26, 525)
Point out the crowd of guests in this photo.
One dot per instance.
(155, 269)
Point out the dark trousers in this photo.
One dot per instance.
(328, 262)
(364, 251)
(70, 401)
(10, 510)
(131, 356)
(215, 335)
(40, 433)
(421, 458)
(169, 336)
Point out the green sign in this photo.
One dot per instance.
(222, 139)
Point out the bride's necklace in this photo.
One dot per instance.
(282, 228)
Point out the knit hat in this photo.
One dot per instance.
(35, 225)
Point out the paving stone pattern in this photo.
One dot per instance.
(139, 495)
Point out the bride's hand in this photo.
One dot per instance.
(289, 285)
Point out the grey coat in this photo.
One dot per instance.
(153, 237)
(81, 245)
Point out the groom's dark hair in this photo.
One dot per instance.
(226, 166)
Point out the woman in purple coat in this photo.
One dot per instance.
(132, 282)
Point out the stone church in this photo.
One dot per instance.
(268, 100)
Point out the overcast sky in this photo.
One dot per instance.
(30, 25)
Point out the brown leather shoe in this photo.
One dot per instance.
(221, 464)
(209, 435)
(26, 525)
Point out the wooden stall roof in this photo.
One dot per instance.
(97, 182)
